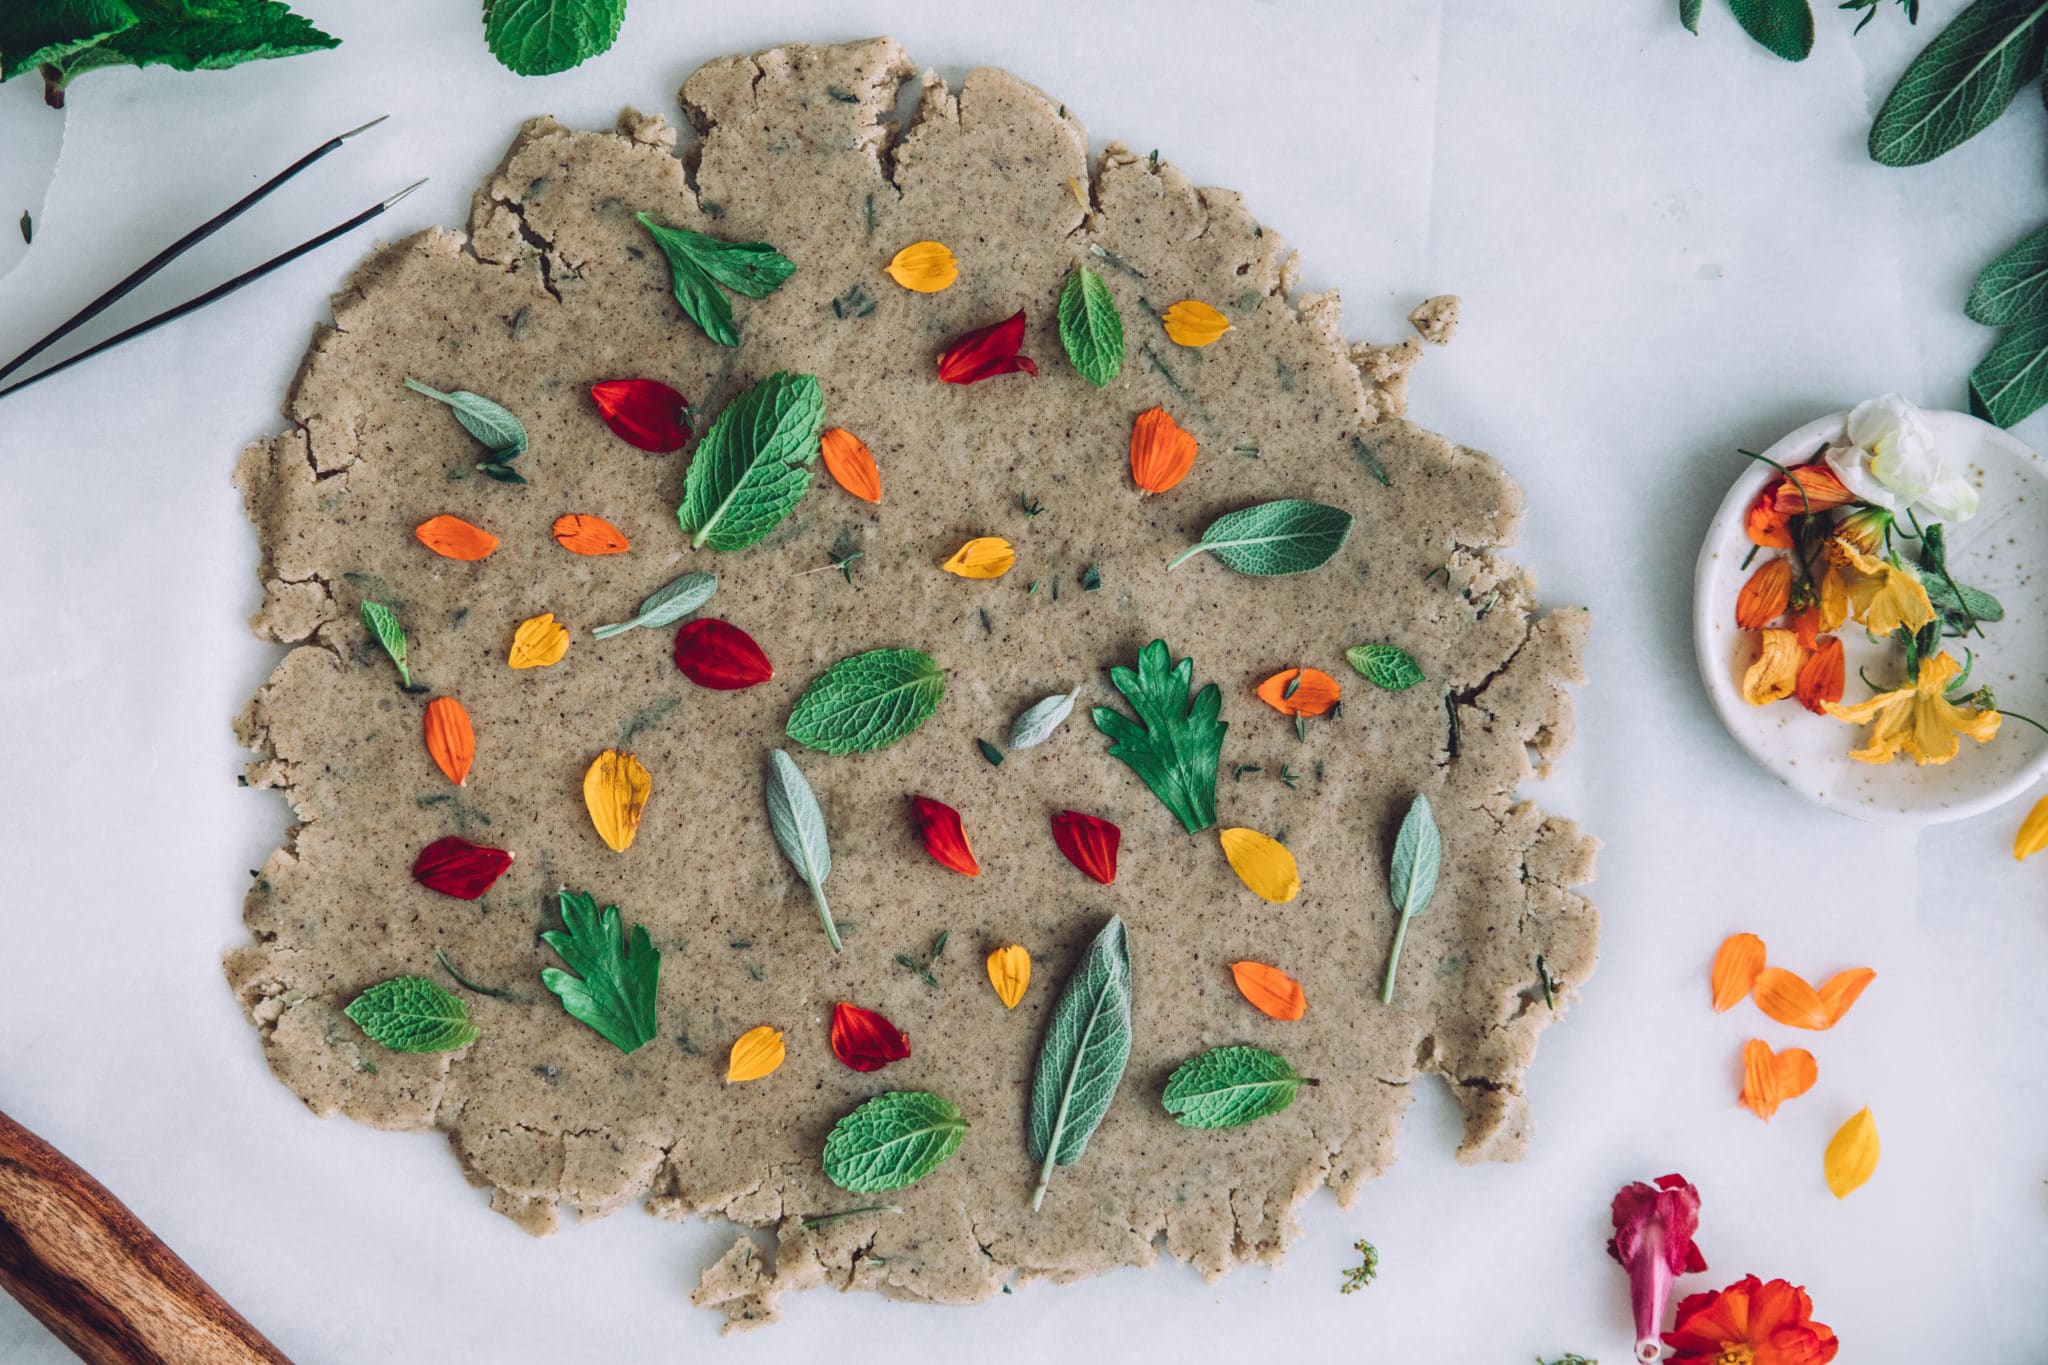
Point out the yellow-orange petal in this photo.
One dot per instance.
(1009, 971)
(1262, 863)
(850, 464)
(586, 535)
(1770, 1078)
(1161, 452)
(1852, 1154)
(1775, 674)
(1736, 966)
(756, 1053)
(454, 538)
(925, 267)
(540, 642)
(1193, 323)
(1839, 992)
(1271, 991)
(982, 557)
(451, 741)
(1316, 692)
(2033, 835)
(1788, 998)
(1764, 597)
(615, 791)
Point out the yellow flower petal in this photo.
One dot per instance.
(1852, 1154)
(983, 557)
(756, 1054)
(1918, 718)
(1194, 323)
(539, 642)
(1080, 195)
(616, 789)
(1775, 674)
(1263, 864)
(1882, 595)
(2033, 835)
(926, 267)
(1009, 971)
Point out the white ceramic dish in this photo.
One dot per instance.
(2003, 550)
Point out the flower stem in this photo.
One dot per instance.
(1393, 961)
(2014, 715)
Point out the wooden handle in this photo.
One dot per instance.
(101, 1281)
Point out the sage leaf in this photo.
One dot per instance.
(666, 605)
(895, 1139)
(2014, 288)
(1038, 722)
(1228, 1087)
(1176, 744)
(543, 37)
(1388, 667)
(616, 972)
(501, 433)
(383, 623)
(754, 465)
(799, 828)
(1272, 538)
(867, 701)
(698, 264)
(1090, 327)
(2011, 381)
(413, 1014)
(1411, 878)
(1961, 82)
(1081, 1062)
(1689, 14)
(1783, 27)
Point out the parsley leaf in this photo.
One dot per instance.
(1175, 746)
(413, 1014)
(613, 990)
(542, 37)
(698, 264)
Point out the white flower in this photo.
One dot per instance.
(1891, 460)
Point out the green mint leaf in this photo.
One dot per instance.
(2011, 381)
(1961, 82)
(1272, 538)
(1387, 667)
(207, 35)
(1411, 878)
(615, 973)
(1174, 746)
(1081, 1063)
(698, 264)
(383, 623)
(799, 828)
(1090, 328)
(1036, 725)
(867, 701)
(666, 605)
(1784, 27)
(754, 465)
(895, 1139)
(412, 1014)
(36, 34)
(1689, 14)
(543, 37)
(1227, 1087)
(2014, 288)
(501, 433)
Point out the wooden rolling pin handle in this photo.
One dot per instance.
(101, 1281)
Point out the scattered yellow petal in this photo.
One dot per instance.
(850, 464)
(1770, 1078)
(1080, 195)
(1736, 967)
(982, 557)
(2033, 835)
(755, 1054)
(1272, 992)
(616, 789)
(540, 642)
(1788, 998)
(1775, 674)
(1839, 991)
(1009, 971)
(1852, 1154)
(450, 739)
(1263, 864)
(926, 267)
(1194, 323)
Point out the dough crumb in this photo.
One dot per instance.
(1437, 319)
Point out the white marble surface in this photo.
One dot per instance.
(1668, 246)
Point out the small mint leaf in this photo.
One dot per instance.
(413, 1014)
(868, 701)
(895, 1139)
(543, 37)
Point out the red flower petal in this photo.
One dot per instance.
(720, 656)
(643, 412)
(939, 826)
(987, 352)
(456, 867)
(1089, 843)
(865, 1040)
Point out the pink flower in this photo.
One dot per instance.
(1653, 1228)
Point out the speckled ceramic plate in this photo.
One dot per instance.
(2001, 550)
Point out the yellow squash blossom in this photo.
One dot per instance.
(1775, 674)
(1883, 595)
(1917, 718)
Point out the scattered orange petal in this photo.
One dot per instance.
(1736, 966)
(1806, 626)
(1810, 488)
(1765, 524)
(1763, 599)
(1009, 971)
(454, 538)
(848, 462)
(1161, 453)
(450, 739)
(1788, 998)
(1821, 677)
(1317, 692)
(1770, 1078)
(582, 535)
(1839, 991)
(1272, 992)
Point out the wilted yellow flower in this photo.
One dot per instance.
(757, 1053)
(1882, 595)
(1263, 864)
(539, 642)
(983, 557)
(1194, 323)
(1775, 674)
(1917, 718)
(926, 267)
(1009, 971)
(615, 789)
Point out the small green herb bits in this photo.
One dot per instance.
(1387, 667)
(868, 701)
(699, 264)
(755, 463)
(893, 1140)
(383, 623)
(413, 1014)
(1274, 538)
(1090, 327)
(1228, 1087)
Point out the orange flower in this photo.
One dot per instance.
(1810, 488)
(1736, 966)
(454, 538)
(1751, 1322)
(1765, 524)
(1161, 453)
(582, 535)
(1770, 1078)
(1821, 677)
(1764, 598)
(1272, 992)
(847, 460)
(1775, 674)
(1788, 997)
(1314, 693)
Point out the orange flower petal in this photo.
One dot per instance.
(582, 535)
(1009, 971)
(938, 824)
(850, 464)
(1272, 992)
(756, 1053)
(450, 739)
(1161, 453)
(1770, 1078)
(2033, 832)
(454, 538)
(1763, 599)
(1810, 488)
(1789, 999)
(1821, 677)
(1316, 693)
(1736, 966)
(1765, 524)
(1839, 991)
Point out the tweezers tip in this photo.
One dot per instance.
(364, 129)
(404, 192)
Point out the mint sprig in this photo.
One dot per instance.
(71, 37)
(1228, 1087)
(413, 1014)
(542, 37)
(612, 988)
(895, 1139)
(698, 264)
(755, 463)
(868, 701)
(1175, 745)
(1090, 327)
